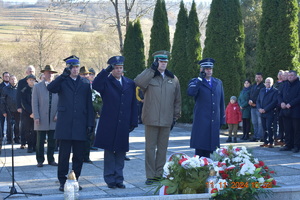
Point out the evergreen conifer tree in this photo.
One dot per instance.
(267, 37)
(139, 49)
(160, 36)
(194, 49)
(278, 37)
(288, 38)
(251, 11)
(178, 63)
(225, 43)
(134, 50)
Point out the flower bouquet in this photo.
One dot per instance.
(240, 175)
(184, 174)
(97, 101)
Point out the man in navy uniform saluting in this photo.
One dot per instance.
(209, 110)
(75, 117)
(118, 118)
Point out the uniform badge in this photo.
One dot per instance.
(170, 81)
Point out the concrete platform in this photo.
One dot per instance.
(31, 179)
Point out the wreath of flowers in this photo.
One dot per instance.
(239, 175)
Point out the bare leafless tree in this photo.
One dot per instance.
(42, 42)
(117, 16)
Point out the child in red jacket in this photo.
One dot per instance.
(233, 117)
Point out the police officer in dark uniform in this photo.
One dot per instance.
(118, 118)
(75, 118)
(209, 111)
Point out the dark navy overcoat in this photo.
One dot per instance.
(267, 101)
(209, 113)
(118, 114)
(75, 108)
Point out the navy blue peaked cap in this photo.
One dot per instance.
(72, 60)
(207, 63)
(116, 60)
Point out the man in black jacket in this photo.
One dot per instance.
(9, 109)
(27, 115)
(21, 84)
(266, 104)
(5, 77)
(255, 115)
(75, 118)
(289, 99)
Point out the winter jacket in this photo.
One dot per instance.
(162, 97)
(233, 113)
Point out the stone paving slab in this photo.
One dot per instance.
(32, 179)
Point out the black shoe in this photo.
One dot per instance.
(61, 187)
(53, 163)
(149, 181)
(121, 185)
(127, 158)
(229, 139)
(88, 161)
(8, 142)
(295, 150)
(94, 148)
(112, 185)
(40, 164)
(285, 148)
(80, 188)
(22, 146)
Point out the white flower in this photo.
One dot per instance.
(167, 167)
(261, 180)
(248, 167)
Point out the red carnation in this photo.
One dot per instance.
(214, 190)
(224, 176)
(274, 182)
(182, 160)
(261, 163)
(257, 165)
(272, 172)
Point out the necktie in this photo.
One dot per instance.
(267, 90)
(209, 83)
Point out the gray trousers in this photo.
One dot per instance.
(157, 139)
(113, 167)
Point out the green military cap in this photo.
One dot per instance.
(162, 55)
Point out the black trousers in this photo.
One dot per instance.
(267, 124)
(2, 120)
(292, 132)
(65, 148)
(30, 134)
(13, 128)
(113, 167)
(246, 126)
(51, 143)
(204, 153)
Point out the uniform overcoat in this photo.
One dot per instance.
(75, 109)
(40, 107)
(209, 113)
(118, 114)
